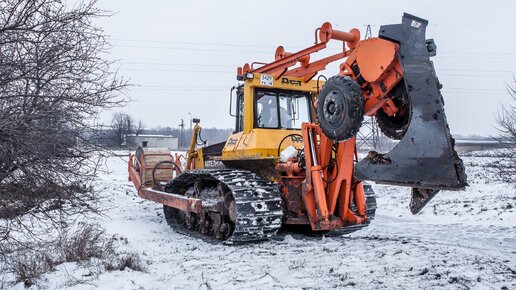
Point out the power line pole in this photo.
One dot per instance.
(181, 133)
(368, 137)
(368, 33)
(190, 123)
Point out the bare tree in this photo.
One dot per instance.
(140, 128)
(54, 80)
(506, 121)
(121, 125)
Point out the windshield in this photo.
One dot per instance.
(281, 109)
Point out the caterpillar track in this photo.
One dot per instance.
(370, 211)
(370, 199)
(256, 212)
(238, 206)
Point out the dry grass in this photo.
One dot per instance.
(124, 261)
(83, 245)
(29, 267)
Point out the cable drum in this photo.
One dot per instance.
(150, 158)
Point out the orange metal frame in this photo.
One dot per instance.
(157, 195)
(285, 60)
(376, 58)
(327, 195)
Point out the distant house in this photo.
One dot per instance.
(151, 141)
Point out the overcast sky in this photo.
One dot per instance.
(184, 54)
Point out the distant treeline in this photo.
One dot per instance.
(210, 135)
(123, 124)
(107, 136)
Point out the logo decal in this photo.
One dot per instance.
(296, 139)
(232, 141)
(290, 82)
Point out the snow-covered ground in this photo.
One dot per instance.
(461, 240)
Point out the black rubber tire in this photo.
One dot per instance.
(340, 108)
(395, 127)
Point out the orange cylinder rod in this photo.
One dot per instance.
(320, 194)
(327, 32)
(360, 199)
(281, 53)
(344, 36)
(285, 62)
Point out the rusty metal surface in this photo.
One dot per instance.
(293, 197)
(170, 199)
(173, 200)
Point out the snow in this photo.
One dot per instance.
(461, 240)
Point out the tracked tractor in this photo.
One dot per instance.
(292, 160)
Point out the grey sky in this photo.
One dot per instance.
(184, 54)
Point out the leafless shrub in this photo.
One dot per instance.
(83, 245)
(506, 121)
(54, 80)
(123, 261)
(30, 267)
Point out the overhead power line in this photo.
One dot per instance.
(180, 89)
(473, 70)
(226, 89)
(473, 75)
(180, 70)
(302, 23)
(194, 43)
(481, 70)
(474, 90)
(233, 72)
(473, 93)
(180, 86)
(192, 49)
(487, 53)
(221, 87)
(176, 64)
(493, 56)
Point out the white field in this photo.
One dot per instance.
(461, 240)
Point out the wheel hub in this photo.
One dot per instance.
(334, 106)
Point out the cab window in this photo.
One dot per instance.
(267, 110)
(281, 109)
(240, 113)
(294, 110)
